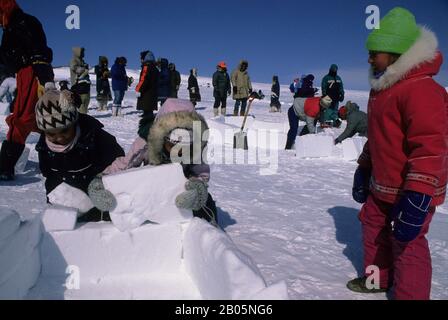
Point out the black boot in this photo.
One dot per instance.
(9, 155)
(359, 285)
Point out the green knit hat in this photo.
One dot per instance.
(398, 32)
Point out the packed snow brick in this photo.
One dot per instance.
(314, 146)
(147, 194)
(19, 263)
(71, 197)
(58, 218)
(100, 251)
(352, 148)
(219, 268)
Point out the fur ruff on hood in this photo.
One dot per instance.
(165, 124)
(424, 50)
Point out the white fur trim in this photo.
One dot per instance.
(164, 125)
(423, 50)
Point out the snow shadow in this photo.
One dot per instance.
(348, 232)
(224, 218)
(52, 282)
(28, 177)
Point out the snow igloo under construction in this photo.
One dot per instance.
(151, 250)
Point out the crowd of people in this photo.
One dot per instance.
(402, 172)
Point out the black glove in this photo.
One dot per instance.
(235, 90)
(361, 181)
(250, 90)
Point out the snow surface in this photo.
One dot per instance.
(297, 223)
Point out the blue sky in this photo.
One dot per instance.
(279, 37)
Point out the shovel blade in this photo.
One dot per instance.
(240, 141)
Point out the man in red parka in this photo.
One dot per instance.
(402, 173)
(24, 50)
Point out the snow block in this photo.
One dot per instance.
(352, 148)
(16, 252)
(314, 146)
(25, 277)
(100, 251)
(68, 196)
(9, 223)
(218, 268)
(147, 193)
(59, 218)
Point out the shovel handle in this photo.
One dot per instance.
(245, 115)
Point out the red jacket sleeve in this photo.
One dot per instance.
(425, 116)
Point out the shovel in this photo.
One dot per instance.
(240, 138)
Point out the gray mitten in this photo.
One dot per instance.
(101, 198)
(195, 196)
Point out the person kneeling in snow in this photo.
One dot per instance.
(73, 147)
(172, 128)
(308, 110)
(356, 122)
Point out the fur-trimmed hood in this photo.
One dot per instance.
(165, 124)
(422, 58)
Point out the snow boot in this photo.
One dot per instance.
(119, 114)
(114, 111)
(242, 113)
(9, 155)
(359, 285)
(223, 111)
(235, 112)
(215, 112)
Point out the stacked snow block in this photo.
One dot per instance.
(220, 270)
(147, 194)
(100, 251)
(67, 203)
(314, 146)
(19, 254)
(352, 148)
(59, 218)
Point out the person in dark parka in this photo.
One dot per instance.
(164, 81)
(306, 89)
(148, 85)
(175, 80)
(356, 122)
(73, 147)
(23, 51)
(275, 95)
(120, 82)
(193, 87)
(103, 93)
(74, 159)
(221, 88)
